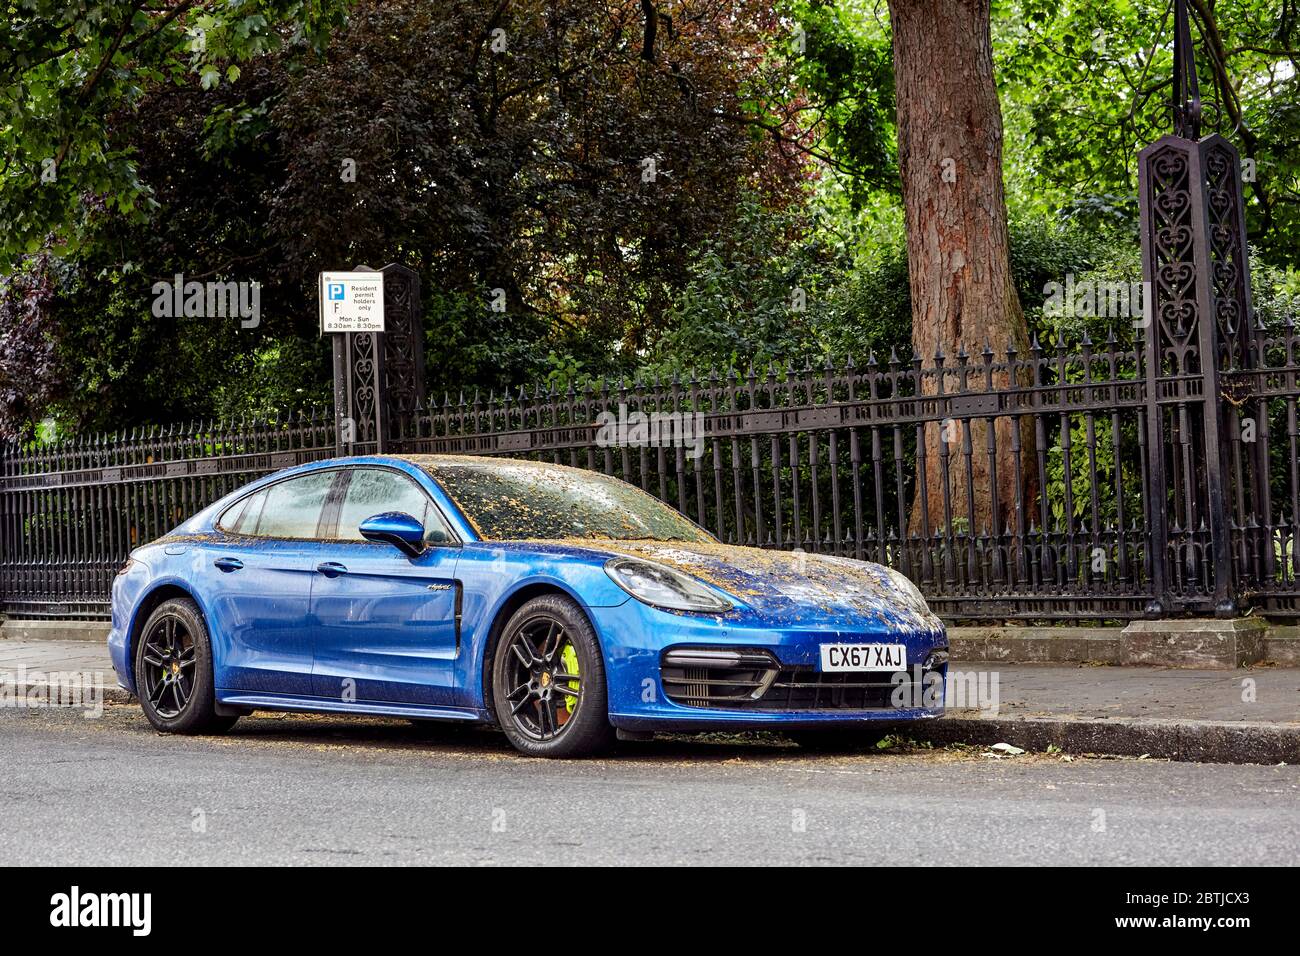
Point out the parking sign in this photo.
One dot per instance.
(351, 302)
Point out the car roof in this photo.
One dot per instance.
(429, 461)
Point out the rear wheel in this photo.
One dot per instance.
(173, 671)
(548, 681)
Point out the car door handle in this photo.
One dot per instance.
(331, 569)
(228, 564)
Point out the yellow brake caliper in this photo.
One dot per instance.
(569, 658)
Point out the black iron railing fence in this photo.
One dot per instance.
(71, 512)
(1015, 486)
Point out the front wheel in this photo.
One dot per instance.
(173, 671)
(548, 681)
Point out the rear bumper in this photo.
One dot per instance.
(125, 593)
(636, 637)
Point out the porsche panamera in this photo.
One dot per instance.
(564, 606)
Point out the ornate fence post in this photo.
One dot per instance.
(1199, 327)
(402, 374)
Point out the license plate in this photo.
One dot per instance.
(863, 657)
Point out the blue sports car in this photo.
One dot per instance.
(564, 606)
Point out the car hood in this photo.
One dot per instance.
(790, 589)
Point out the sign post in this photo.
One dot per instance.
(373, 317)
(352, 312)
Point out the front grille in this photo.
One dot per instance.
(754, 680)
(802, 688)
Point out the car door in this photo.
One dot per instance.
(386, 625)
(257, 580)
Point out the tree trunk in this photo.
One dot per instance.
(963, 296)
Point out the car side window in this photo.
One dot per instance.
(373, 491)
(292, 508)
(241, 517)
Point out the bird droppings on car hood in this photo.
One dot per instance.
(797, 587)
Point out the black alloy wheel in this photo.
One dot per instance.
(173, 671)
(548, 684)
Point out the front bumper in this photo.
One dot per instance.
(647, 692)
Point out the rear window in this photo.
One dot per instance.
(293, 507)
(241, 517)
(287, 509)
(513, 500)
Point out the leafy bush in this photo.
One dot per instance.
(741, 302)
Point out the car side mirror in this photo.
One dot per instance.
(395, 528)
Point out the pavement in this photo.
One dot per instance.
(1248, 715)
(57, 656)
(298, 789)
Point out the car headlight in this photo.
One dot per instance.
(664, 587)
(905, 585)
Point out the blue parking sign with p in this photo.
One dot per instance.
(335, 290)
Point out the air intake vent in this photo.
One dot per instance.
(717, 677)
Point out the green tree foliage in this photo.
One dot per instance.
(553, 151)
(779, 287)
(844, 64)
(504, 146)
(1087, 83)
(67, 69)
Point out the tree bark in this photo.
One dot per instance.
(959, 266)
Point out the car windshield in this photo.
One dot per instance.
(518, 500)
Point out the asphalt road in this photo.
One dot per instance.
(305, 790)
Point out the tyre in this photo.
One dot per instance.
(548, 681)
(173, 671)
(840, 739)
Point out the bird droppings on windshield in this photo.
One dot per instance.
(507, 499)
